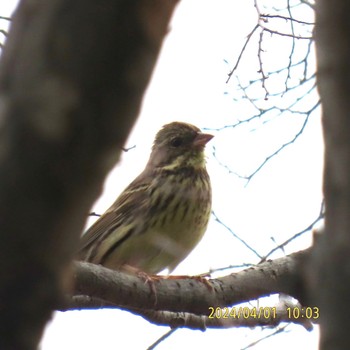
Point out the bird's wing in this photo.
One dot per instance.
(130, 201)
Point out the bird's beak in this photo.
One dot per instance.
(202, 139)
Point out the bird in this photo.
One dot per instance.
(163, 214)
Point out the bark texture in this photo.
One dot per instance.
(72, 77)
(330, 275)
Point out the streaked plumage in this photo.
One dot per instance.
(162, 215)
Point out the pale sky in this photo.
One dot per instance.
(283, 198)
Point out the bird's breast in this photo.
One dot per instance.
(180, 208)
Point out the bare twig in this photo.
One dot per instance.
(276, 331)
(261, 69)
(127, 149)
(291, 19)
(249, 177)
(249, 36)
(236, 236)
(162, 338)
(319, 217)
(94, 214)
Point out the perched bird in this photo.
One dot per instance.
(162, 215)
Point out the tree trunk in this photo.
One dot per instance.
(332, 257)
(72, 77)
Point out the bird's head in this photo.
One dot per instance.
(179, 145)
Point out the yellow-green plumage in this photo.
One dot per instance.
(162, 215)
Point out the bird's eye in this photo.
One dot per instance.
(176, 142)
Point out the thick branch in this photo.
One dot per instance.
(107, 287)
(71, 83)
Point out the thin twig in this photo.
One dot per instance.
(319, 217)
(236, 236)
(249, 177)
(277, 330)
(241, 53)
(162, 338)
(287, 19)
(5, 18)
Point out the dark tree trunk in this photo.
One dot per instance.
(72, 78)
(332, 258)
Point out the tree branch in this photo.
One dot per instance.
(98, 287)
